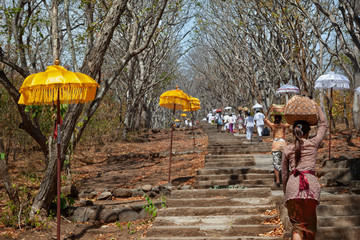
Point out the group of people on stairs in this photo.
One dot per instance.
(295, 163)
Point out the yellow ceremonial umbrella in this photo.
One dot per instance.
(176, 100)
(55, 86)
(177, 120)
(193, 106)
(183, 115)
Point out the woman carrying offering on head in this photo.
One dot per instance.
(300, 185)
(279, 131)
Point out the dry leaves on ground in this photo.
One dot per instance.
(277, 232)
(270, 212)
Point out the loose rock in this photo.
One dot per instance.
(104, 195)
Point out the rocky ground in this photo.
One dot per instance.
(113, 178)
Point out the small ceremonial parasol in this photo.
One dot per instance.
(358, 89)
(287, 88)
(332, 81)
(183, 115)
(228, 108)
(175, 100)
(56, 86)
(257, 105)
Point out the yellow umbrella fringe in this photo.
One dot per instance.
(49, 95)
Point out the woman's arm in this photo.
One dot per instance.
(270, 124)
(323, 126)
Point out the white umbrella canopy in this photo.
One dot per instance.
(287, 88)
(358, 89)
(228, 108)
(332, 80)
(257, 106)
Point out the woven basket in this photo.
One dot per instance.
(301, 108)
(276, 109)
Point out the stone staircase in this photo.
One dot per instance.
(229, 170)
(234, 194)
(231, 200)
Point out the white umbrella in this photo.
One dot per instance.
(287, 88)
(358, 89)
(228, 108)
(332, 81)
(257, 106)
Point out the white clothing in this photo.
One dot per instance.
(226, 121)
(209, 117)
(249, 121)
(259, 118)
(260, 128)
(234, 119)
(249, 132)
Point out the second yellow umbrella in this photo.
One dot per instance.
(175, 100)
(193, 106)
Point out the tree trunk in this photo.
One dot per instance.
(344, 112)
(356, 111)
(356, 105)
(91, 66)
(322, 104)
(55, 30)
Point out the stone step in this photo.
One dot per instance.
(231, 156)
(338, 233)
(230, 164)
(238, 186)
(209, 230)
(217, 238)
(211, 193)
(234, 170)
(220, 160)
(339, 221)
(214, 202)
(211, 220)
(340, 199)
(237, 146)
(212, 211)
(246, 182)
(338, 210)
(234, 177)
(239, 151)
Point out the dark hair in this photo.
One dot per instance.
(277, 119)
(248, 114)
(300, 128)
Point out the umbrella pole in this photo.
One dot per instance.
(171, 142)
(192, 125)
(330, 114)
(58, 166)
